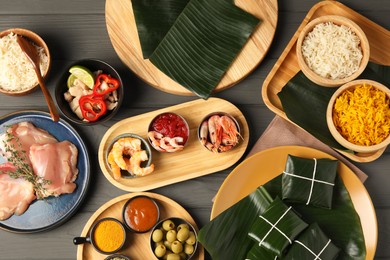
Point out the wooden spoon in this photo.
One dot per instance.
(31, 53)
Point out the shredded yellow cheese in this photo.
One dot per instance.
(362, 115)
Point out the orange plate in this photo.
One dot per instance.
(123, 33)
(137, 245)
(287, 65)
(245, 178)
(193, 161)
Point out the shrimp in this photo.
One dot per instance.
(116, 171)
(203, 132)
(215, 130)
(156, 137)
(135, 164)
(230, 132)
(125, 146)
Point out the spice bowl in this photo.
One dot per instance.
(107, 236)
(78, 101)
(312, 52)
(356, 114)
(173, 236)
(223, 123)
(117, 257)
(29, 84)
(146, 166)
(168, 132)
(140, 213)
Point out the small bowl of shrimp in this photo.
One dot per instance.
(129, 155)
(219, 132)
(168, 132)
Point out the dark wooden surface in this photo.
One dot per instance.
(75, 29)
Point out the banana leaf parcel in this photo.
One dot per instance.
(200, 45)
(309, 181)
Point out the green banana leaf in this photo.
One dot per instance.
(305, 102)
(154, 18)
(226, 237)
(203, 42)
(258, 252)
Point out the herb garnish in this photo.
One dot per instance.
(18, 157)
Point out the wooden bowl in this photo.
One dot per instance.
(37, 40)
(337, 20)
(332, 128)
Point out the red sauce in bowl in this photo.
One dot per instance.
(170, 125)
(141, 214)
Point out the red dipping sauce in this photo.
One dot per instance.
(170, 125)
(141, 214)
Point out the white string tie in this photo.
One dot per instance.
(308, 249)
(273, 226)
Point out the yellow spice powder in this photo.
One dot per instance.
(108, 235)
(362, 115)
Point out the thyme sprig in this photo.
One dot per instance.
(18, 157)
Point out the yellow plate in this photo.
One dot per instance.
(266, 165)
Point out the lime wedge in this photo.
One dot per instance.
(70, 81)
(83, 74)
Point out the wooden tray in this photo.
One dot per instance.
(138, 245)
(123, 33)
(194, 161)
(287, 65)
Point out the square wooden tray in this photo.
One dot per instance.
(287, 65)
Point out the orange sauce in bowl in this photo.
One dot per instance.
(141, 214)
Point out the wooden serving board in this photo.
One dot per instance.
(193, 161)
(137, 245)
(287, 65)
(123, 33)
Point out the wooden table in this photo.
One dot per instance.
(76, 30)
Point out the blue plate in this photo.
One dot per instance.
(46, 214)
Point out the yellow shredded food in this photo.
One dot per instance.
(362, 115)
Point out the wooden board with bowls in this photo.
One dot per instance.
(193, 161)
(138, 244)
(245, 178)
(287, 65)
(123, 33)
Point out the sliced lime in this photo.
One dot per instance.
(71, 80)
(83, 74)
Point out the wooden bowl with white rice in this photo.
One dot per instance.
(17, 75)
(332, 50)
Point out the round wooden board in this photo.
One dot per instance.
(137, 245)
(194, 161)
(123, 33)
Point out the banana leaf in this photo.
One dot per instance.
(258, 252)
(305, 102)
(202, 43)
(277, 227)
(312, 243)
(341, 224)
(153, 19)
(226, 237)
(299, 185)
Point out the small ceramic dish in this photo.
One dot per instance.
(328, 81)
(105, 236)
(127, 139)
(175, 234)
(45, 65)
(117, 257)
(230, 132)
(140, 214)
(64, 105)
(168, 132)
(330, 114)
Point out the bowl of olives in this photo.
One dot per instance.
(173, 238)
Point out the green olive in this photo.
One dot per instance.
(183, 234)
(176, 247)
(168, 225)
(173, 257)
(188, 249)
(171, 235)
(156, 244)
(184, 225)
(167, 244)
(191, 238)
(160, 251)
(157, 235)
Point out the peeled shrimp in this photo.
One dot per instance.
(125, 146)
(135, 164)
(116, 171)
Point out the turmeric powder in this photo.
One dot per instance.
(108, 235)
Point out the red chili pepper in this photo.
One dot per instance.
(105, 84)
(92, 107)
